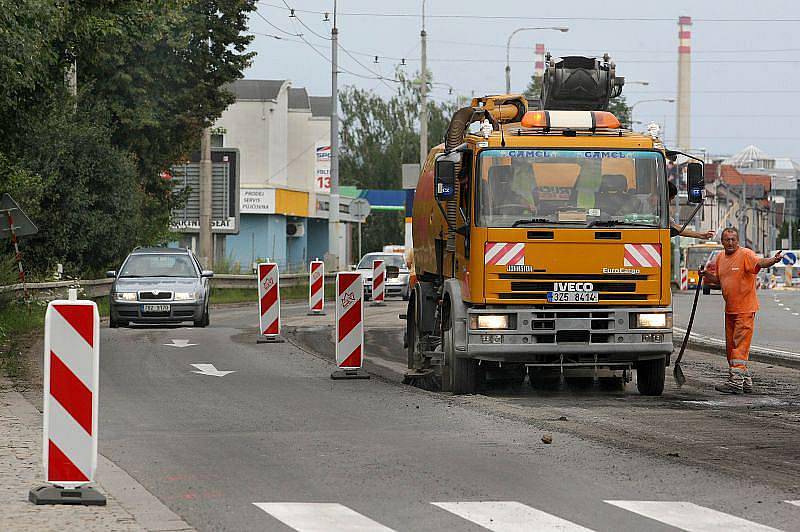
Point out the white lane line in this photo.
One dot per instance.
(320, 517)
(691, 517)
(795, 313)
(780, 304)
(509, 516)
(796, 503)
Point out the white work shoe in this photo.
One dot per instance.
(747, 384)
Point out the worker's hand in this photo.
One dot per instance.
(702, 271)
(777, 258)
(708, 235)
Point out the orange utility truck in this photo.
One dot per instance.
(542, 241)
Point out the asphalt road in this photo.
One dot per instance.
(277, 441)
(777, 322)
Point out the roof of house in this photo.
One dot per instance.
(298, 98)
(260, 90)
(321, 105)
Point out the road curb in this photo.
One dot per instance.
(709, 344)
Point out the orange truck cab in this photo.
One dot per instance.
(541, 242)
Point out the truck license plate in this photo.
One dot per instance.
(572, 297)
(155, 308)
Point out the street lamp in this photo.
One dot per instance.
(667, 100)
(508, 48)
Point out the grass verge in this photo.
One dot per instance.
(246, 295)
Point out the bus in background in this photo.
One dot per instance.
(695, 256)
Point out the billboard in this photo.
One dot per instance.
(322, 168)
(224, 193)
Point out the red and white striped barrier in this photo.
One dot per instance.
(378, 281)
(316, 287)
(71, 379)
(684, 278)
(349, 320)
(269, 300)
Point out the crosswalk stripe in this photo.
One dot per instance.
(320, 517)
(796, 503)
(509, 516)
(691, 517)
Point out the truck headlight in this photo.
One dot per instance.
(490, 321)
(660, 320)
(184, 296)
(125, 296)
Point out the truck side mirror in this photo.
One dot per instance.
(444, 176)
(695, 183)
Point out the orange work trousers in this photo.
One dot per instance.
(738, 335)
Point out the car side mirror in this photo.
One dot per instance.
(444, 176)
(111, 274)
(207, 273)
(352, 267)
(695, 182)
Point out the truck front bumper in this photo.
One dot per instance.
(591, 335)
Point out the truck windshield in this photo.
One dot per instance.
(584, 188)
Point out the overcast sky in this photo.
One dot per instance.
(757, 54)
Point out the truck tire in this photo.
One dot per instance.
(462, 373)
(650, 375)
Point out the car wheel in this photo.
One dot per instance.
(406, 295)
(203, 321)
(112, 323)
(706, 290)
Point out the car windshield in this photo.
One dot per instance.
(389, 260)
(158, 265)
(584, 188)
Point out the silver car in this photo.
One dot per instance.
(397, 274)
(159, 285)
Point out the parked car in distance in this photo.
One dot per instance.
(397, 274)
(159, 285)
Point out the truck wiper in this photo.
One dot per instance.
(612, 223)
(542, 221)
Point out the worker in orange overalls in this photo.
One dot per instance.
(737, 269)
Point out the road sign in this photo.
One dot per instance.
(269, 300)
(360, 209)
(349, 320)
(71, 378)
(10, 211)
(789, 258)
(316, 287)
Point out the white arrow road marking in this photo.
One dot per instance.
(180, 343)
(209, 369)
(796, 503)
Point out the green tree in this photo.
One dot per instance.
(151, 74)
(378, 136)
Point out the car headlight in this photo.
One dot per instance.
(660, 320)
(490, 321)
(184, 296)
(125, 296)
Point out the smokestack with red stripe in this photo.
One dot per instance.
(684, 83)
(538, 68)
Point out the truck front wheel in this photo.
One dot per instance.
(650, 375)
(461, 373)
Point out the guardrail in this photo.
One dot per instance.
(99, 287)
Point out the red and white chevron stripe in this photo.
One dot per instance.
(504, 253)
(71, 377)
(349, 320)
(643, 255)
(378, 281)
(269, 299)
(316, 286)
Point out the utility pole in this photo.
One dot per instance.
(205, 247)
(423, 94)
(334, 225)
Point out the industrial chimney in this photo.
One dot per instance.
(684, 83)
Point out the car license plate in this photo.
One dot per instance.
(572, 297)
(155, 308)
